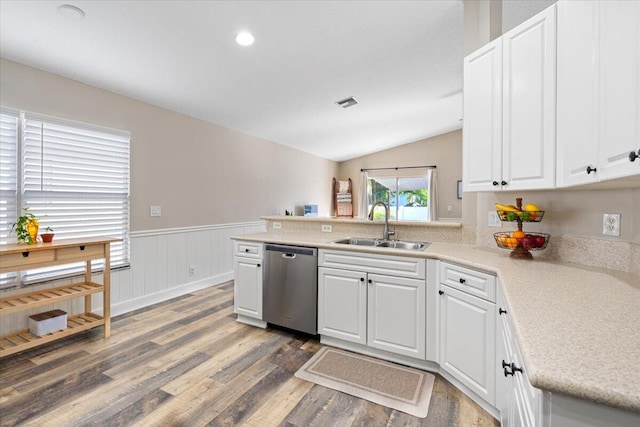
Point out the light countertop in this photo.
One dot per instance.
(578, 327)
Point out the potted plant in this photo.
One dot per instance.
(26, 227)
(48, 236)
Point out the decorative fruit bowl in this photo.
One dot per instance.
(524, 216)
(530, 241)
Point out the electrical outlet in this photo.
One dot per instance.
(611, 224)
(449, 208)
(192, 270)
(327, 228)
(155, 211)
(494, 219)
(277, 225)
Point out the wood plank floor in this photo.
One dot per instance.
(186, 362)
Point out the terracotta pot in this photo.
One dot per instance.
(47, 237)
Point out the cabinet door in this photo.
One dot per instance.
(504, 387)
(577, 130)
(619, 94)
(247, 288)
(529, 100)
(467, 341)
(342, 304)
(482, 133)
(396, 315)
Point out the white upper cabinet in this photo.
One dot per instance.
(598, 90)
(577, 130)
(510, 109)
(529, 103)
(482, 132)
(619, 93)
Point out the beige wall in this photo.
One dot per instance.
(572, 212)
(444, 151)
(200, 173)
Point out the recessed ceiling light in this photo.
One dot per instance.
(71, 12)
(244, 39)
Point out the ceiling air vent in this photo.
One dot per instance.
(348, 102)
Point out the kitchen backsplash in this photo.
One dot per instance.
(441, 231)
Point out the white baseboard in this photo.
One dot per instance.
(471, 394)
(250, 321)
(147, 300)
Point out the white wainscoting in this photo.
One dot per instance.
(160, 261)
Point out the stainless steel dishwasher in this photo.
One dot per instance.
(290, 287)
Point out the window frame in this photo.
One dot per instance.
(74, 188)
(395, 194)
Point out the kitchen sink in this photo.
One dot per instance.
(397, 244)
(400, 244)
(359, 241)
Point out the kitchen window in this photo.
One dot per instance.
(407, 197)
(73, 176)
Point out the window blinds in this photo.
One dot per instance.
(75, 179)
(8, 173)
(8, 181)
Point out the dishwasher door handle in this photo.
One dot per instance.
(288, 256)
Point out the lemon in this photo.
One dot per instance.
(530, 207)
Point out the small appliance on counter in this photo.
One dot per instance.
(310, 210)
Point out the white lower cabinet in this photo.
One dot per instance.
(467, 328)
(467, 340)
(247, 287)
(381, 311)
(396, 315)
(342, 304)
(520, 404)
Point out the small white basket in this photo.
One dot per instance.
(47, 322)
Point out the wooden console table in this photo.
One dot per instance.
(16, 257)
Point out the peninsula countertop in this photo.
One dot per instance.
(578, 327)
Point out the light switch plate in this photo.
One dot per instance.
(155, 211)
(611, 224)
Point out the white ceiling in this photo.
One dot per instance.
(401, 59)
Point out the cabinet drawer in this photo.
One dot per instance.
(248, 249)
(35, 257)
(473, 282)
(413, 268)
(81, 252)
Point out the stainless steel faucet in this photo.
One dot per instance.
(386, 233)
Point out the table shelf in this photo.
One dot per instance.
(47, 296)
(17, 257)
(23, 340)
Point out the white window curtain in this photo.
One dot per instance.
(363, 195)
(433, 194)
(75, 178)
